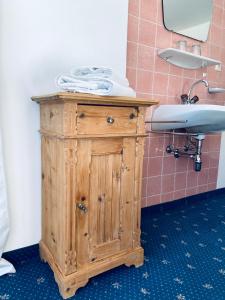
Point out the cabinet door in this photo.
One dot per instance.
(105, 197)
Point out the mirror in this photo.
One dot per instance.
(190, 18)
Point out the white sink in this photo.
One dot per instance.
(195, 118)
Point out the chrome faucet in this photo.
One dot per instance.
(186, 98)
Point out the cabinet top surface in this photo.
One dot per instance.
(93, 99)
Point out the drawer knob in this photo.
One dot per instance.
(110, 120)
(82, 207)
(82, 115)
(132, 116)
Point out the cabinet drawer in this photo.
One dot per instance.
(106, 120)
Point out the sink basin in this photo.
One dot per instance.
(195, 118)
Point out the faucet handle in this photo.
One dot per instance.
(194, 99)
(184, 98)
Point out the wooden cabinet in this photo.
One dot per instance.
(92, 152)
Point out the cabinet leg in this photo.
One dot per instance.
(68, 290)
(136, 258)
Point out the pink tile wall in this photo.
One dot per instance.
(164, 178)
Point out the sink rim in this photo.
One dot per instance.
(198, 116)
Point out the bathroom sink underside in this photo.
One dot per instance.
(194, 118)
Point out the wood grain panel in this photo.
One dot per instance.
(100, 173)
(93, 119)
(109, 146)
(105, 194)
(109, 160)
(116, 195)
(141, 120)
(52, 209)
(139, 154)
(127, 192)
(70, 154)
(51, 116)
(70, 119)
(82, 197)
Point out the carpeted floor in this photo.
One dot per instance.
(184, 259)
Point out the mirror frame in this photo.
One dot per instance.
(190, 37)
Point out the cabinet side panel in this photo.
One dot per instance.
(48, 188)
(53, 195)
(45, 191)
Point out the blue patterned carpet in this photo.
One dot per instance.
(184, 259)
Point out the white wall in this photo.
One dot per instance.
(221, 172)
(38, 40)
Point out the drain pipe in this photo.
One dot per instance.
(191, 149)
(197, 160)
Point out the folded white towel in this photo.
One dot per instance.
(99, 72)
(95, 80)
(92, 71)
(97, 86)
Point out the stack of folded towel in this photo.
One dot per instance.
(99, 81)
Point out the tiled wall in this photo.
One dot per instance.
(164, 178)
